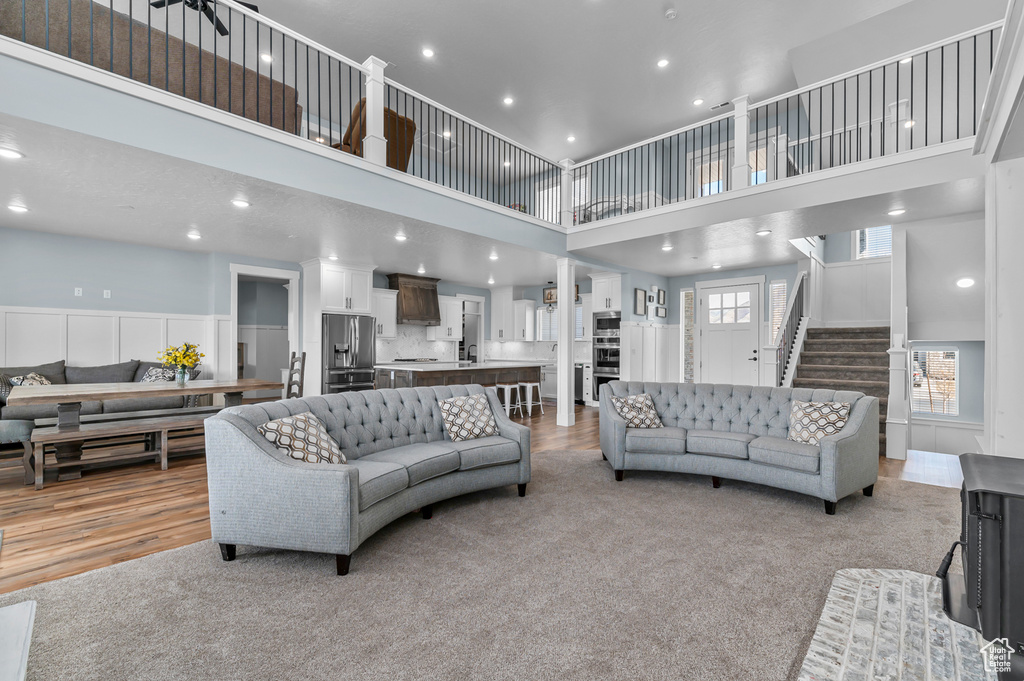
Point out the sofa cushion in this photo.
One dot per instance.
(656, 440)
(637, 410)
(379, 480)
(422, 461)
(718, 443)
(775, 451)
(486, 451)
(302, 437)
(811, 421)
(468, 417)
(54, 371)
(13, 430)
(142, 404)
(108, 373)
(44, 411)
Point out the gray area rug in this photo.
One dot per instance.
(889, 624)
(656, 577)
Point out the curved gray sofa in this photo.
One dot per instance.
(400, 459)
(740, 432)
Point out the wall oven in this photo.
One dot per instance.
(606, 348)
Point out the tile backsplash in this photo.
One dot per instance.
(412, 342)
(543, 351)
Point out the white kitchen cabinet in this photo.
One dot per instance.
(346, 289)
(524, 322)
(549, 382)
(588, 317)
(385, 312)
(588, 383)
(607, 293)
(502, 314)
(450, 328)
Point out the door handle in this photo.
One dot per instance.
(752, 359)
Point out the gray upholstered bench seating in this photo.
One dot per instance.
(400, 459)
(740, 432)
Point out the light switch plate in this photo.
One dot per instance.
(78, 292)
(106, 293)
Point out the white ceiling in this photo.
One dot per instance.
(80, 185)
(588, 67)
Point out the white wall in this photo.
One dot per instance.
(856, 293)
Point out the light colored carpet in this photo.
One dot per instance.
(657, 577)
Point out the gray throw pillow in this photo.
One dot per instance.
(5, 388)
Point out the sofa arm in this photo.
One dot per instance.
(849, 459)
(508, 428)
(612, 431)
(261, 497)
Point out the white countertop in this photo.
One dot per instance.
(460, 366)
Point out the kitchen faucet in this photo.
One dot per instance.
(554, 346)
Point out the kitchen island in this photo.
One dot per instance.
(415, 374)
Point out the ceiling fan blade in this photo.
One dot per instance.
(251, 6)
(212, 16)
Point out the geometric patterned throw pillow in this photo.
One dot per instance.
(468, 417)
(30, 379)
(158, 374)
(637, 410)
(303, 437)
(811, 421)
(5, 388)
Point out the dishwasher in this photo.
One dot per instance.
(579, 383)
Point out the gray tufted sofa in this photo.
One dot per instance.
(399, 459)
(740, 432)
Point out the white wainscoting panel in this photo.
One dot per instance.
(229, 367)
(945, 437)
(140, 338)
(33, 338)
(186, 331)
(92, 340)
(857, 293)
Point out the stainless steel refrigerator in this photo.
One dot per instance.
(349, 343)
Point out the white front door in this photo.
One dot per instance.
(730, 334)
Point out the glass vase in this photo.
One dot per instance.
(181, 377)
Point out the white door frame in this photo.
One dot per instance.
(292, 276)
(480, 327)
(699, 323)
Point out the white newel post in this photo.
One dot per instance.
(565, 195)
(741, 134)
(566, 330)
(375, 145)
(780, 167)
(897, 420)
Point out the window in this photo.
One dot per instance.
(778, 302)
(935, 381)
(547, 324)
(873, 242)
(688, 324)
(579, 323)
(729, 308)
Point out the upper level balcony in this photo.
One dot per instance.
(221, 54)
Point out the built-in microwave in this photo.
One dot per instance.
(606, 325)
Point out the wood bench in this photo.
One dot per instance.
(157, 425)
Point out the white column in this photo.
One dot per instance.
(566, 328)
(778, 167)
(897, 420)
(565, 195)
(1004, 323)
(375, 145)
(741, 133)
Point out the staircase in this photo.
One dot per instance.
(848, 359)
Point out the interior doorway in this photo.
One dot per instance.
(472, 342)
(729, 320)
(262, 329)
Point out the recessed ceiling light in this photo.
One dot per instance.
(966, 282)
(763, 232)
(11, 154)
(17, 209)
(491, 280)
(240, 203)
(667, 247)
(897, 211)
(570, 138)
(422, 270)
(266, 57)
(662, 63)
(508, 101)
(508, 163)
(909, 124)
(400, 237)
(427, 52)
(320, 140)
(716, 266)
(194, 235)
(494, 256)
(906, 60)
(698, 101)
(332, 257)
(293, 236)
(447, 133)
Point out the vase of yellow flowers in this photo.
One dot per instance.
(183, 360)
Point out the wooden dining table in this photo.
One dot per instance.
(69, 399)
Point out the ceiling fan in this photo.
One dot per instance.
(204, 7)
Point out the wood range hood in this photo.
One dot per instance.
(417, 299)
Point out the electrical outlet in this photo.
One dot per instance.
(78, 292)
(106, 293)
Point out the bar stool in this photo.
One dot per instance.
(510, 389)
(529, 397)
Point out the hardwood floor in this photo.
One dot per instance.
(118, 514)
